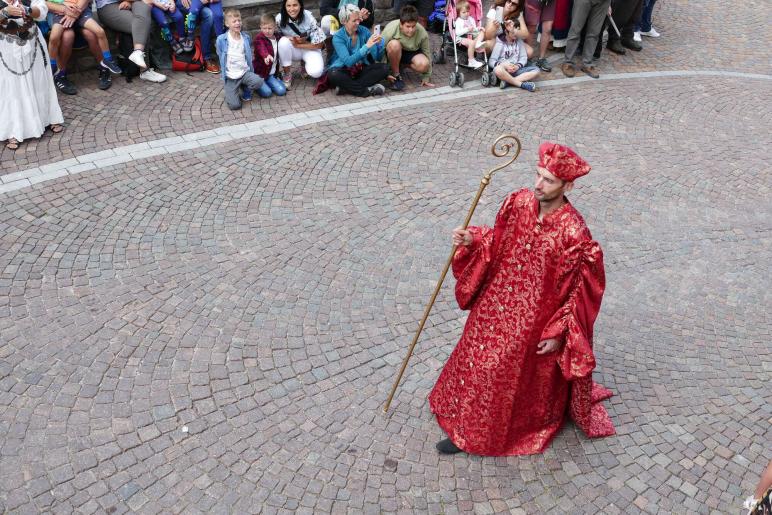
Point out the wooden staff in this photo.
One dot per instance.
(501, 148)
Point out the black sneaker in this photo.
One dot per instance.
(105, 80)
(109, 65)
(544, 65)
(398, 84)
(64, 85)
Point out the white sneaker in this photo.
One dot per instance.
(637, 36)
(151, 75)
(474, 63)
(138, 57)
(652, 33)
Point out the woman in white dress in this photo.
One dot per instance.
(28, 102)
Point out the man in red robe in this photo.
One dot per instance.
(534, 285)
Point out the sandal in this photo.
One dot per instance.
(56, 128)
(12, 144)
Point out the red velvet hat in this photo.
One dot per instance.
(561, 161)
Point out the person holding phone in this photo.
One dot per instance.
(28, 103)
(302, 40)
(354, 67)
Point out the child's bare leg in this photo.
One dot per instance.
(524, 77)
(504, 75)
(54, 40)
(93, 44)
(469, 47)
(99, 32)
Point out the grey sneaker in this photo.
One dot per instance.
(376, 90)
(544, 65)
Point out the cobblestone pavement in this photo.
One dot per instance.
(215, 330)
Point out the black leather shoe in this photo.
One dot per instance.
(447, 447)
(632, 45)
(616, 46)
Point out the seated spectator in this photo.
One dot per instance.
(267, 56)
(355, 66)
(28, 103)
(130, 17)
(509, 58)
(494, 20)
(165, 12)
(209, 17)
(468, 34)
(328, 10)
(302, 40)
(235, 51)
(66, 44)
(589, 13)
(407, 44)
(78, 14)
(539, 13)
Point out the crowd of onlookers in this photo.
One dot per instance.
(344, 50)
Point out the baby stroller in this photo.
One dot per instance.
(456, 77)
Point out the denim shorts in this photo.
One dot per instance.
(85, 16)
(525, 69)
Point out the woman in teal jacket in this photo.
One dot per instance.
(354, 67)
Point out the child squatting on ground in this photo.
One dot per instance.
(236, 69)
(267, 55)
(86, 22)
(508, 60)
(468, 34)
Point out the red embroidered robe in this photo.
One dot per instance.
(525, 281)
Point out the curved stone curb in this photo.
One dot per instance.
(124, 154)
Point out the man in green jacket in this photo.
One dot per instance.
(407, 44)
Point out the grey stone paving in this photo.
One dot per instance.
(215, 330)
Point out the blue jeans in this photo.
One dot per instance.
(644, 24)
(209, 17)
(272, 85)
(164, 18)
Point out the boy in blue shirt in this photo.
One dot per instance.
(235, 52)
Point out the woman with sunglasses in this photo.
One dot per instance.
(501, 11)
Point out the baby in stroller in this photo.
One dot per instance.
(468, 33)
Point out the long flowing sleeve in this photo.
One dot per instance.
(42, 8)
(583, 282)
(471, 263)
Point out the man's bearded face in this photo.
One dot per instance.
(547, 186)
